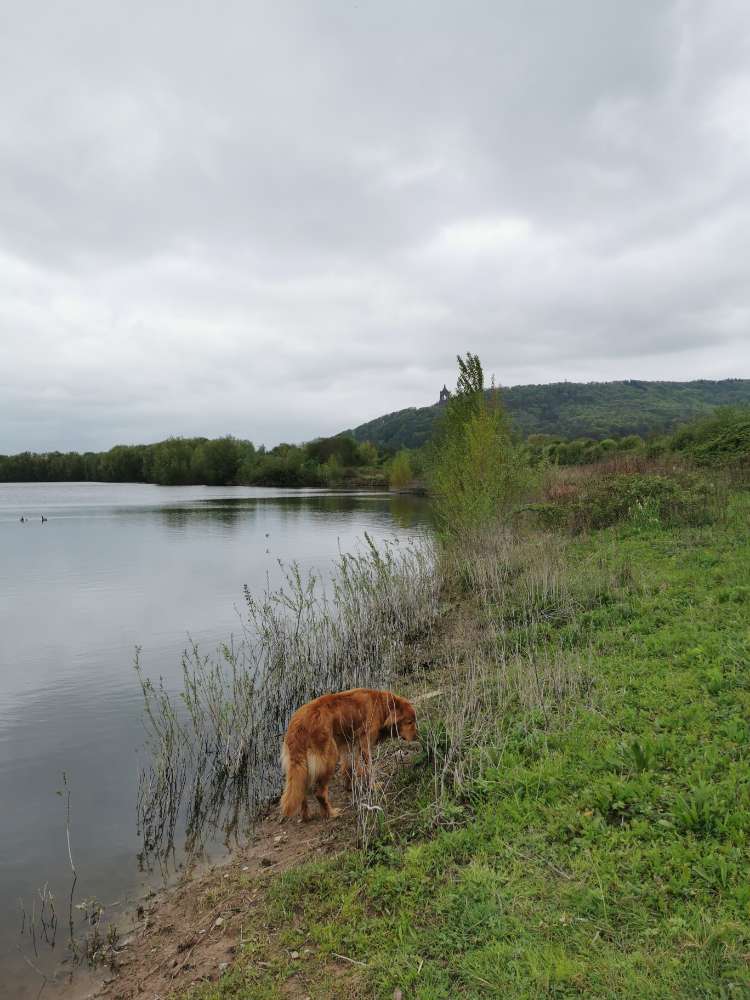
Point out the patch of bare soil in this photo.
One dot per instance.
(190, 933)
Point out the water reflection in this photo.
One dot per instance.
(405, 511)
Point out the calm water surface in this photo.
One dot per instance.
(117, 566)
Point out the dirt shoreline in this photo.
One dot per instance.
(189, 933)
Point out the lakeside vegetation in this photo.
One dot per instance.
(576, 821)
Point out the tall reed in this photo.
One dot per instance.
(214, 750)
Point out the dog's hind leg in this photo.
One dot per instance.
(326, 809)
(323, 779)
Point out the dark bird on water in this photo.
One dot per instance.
(22, 519)
(43, 518)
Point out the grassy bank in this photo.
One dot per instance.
(576, 822)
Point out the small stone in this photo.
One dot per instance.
(218, 922)
(223, 966)
(279, 839)
(246, 868)
(294, 954)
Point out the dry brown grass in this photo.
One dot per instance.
(502, 661)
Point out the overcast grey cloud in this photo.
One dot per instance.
(280, 219)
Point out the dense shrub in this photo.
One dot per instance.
(600, 501)
(722, 439)
(401, 473)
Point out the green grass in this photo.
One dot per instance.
(603, 853)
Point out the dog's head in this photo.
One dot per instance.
(402, 720)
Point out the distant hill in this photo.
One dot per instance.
(577, 409)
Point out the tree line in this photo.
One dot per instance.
(224, 461)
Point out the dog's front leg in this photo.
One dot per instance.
(346, 762)
(367, 742)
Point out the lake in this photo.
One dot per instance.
(117, 566)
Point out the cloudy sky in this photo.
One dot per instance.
(278, 219)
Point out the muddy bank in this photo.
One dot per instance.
(190, 932)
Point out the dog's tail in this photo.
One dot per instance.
(297, 777)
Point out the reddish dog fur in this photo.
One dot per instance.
(333, 727)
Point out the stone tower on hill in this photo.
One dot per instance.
(444, 396)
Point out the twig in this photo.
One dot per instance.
(36, 969)
(418, 699)
(344, 958)
(71, 926)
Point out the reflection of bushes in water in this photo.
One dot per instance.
(233, 512)
(215, 750)
(228, 514)
(408, 511)
(413, 507)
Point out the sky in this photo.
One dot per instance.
(281, 219)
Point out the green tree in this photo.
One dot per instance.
(172, 461)
(368, 454)
(332, 470)
(343, 446)
(217, 462)
(400, 473)
(249, 463)
(477, 471)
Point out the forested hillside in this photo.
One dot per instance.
(573, 409)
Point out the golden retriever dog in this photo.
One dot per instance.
(338, 726)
